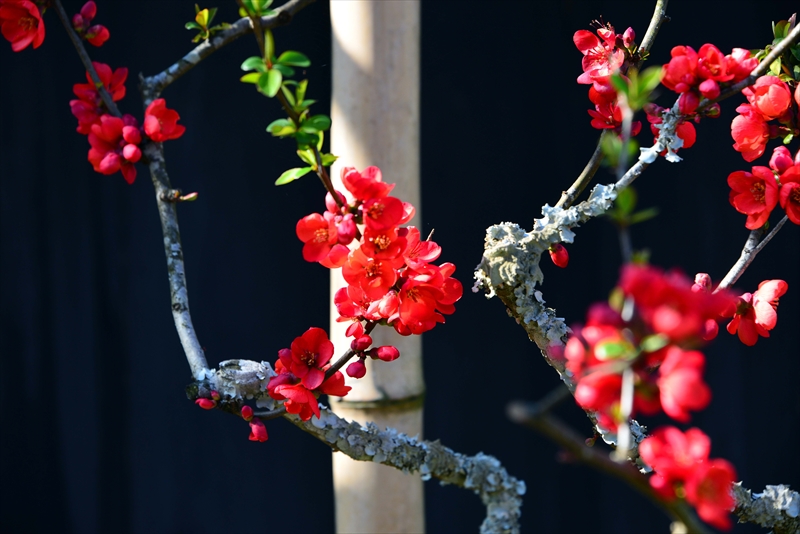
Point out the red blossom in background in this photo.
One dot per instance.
(21, 24)
(681, 384)
(258, 432)
(115, 148)
(756, 314)
(89, 106)
(96, 34)
(161, 123)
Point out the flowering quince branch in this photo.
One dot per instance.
(87, 62)
(153, 85)
(751, 248)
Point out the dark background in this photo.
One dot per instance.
(96, 434)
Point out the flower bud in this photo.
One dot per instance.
(258, 432)
(356, 369)
(346, 229)
(215, 395)
(702, 283)
(710, 330)
(206, 404)
(709, 89)
(97, 35)
(688, 102)
(247, 413)
(330, 203)
(77, 22)
(781, 159)
(132, 153)
(361, 343)
(559, 255)
(356, 329)
(386, 353)
(89, 10)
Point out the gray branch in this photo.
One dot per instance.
(152, 86)
(778, 508)
(500, 492)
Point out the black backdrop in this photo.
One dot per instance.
(97, 435)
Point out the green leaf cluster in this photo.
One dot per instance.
(623, 213)
(258, 8)
(201, 22)
(787, 66)
(638, 87)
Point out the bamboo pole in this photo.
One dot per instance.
(375, 113)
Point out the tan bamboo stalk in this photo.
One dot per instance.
(375, 112)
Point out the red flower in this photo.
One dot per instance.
(258, 432)
(321, 240)
(680, 74)
(309, 354)
(97, 35)
(89, 106)
(206, 404)
(335, 386)
(755, 315)
(789, 194)
(161, 123)
(382, 213)
(365, 185)
(374, 277)
(601, 57)
(673, 455)
(114, 146)
(559, 255)
(712, 65)
(680, 383)
(708, 488)
(769, 96)
(754, 194)
(247, 413)
(21, 24)
(82, 23)
(418, 253)
(750, 131)
(383, 244)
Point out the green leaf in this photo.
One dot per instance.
(211, 14)
(781, 29)
(301, 90)
(649, 79)
(654, 342)
(317, 123)
(796, 52)
(626, 201)
(775, 67)
(612, 350)
(307, 155)
(619, 83)
(192, 26)
(321, 136)
(292, 174)
(202, 18)
(286, 71)
(270, 82)
(328, 159)
(254, 63)
(288, 94)
(250, 77)
(243, 12)
(644, 215)
(305, 140)
(305, 104)
(269, 44)
(281, 128)
(294, 59)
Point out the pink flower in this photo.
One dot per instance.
(601, 58)
(750, 132)
(258, 432)
(161, 123)
(755, 314)
(769, 96)
(21, 24)
(754, 194)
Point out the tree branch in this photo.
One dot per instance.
(658, 18)
(152, 86)
(86, 60)
(778, 508)
(751, 248)
(179, 296)
(532, 416)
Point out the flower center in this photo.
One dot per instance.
(413, 294)
(308, 358)
(321, 235)
(28, 22)
(375, 211)
(373, 269)
(382, 242)
(758, 192)
(794, 196)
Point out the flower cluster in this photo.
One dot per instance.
(301, 374)
(390, 277)
(665, 317)
(682, 468)
(670, 317)
(114, 140)
(756, 193)
(602, 57)
(95, 34)
(21, 24)
(768, 99)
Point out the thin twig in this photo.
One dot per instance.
(584, 179)
(86, 60)
(557, 431)
(751, 248)
(658, 18)
(153, 85)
